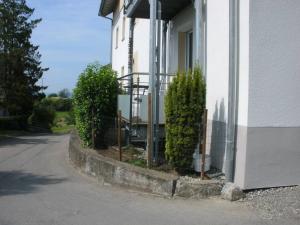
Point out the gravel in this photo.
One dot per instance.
(275, 202)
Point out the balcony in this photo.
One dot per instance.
(133, 103)
(141, 8)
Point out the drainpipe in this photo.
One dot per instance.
(198, 4)
(152, 72)
(130, 71)
(157, 83)
(164, 53)
(231, 128)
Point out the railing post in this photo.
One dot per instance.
(120, 134)
(149, 132)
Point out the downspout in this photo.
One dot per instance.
(157, 82)
(231, 127)
(164, 54)
(152, 73)
(130, 71)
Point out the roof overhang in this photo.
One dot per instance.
(141, 8)
(107, 7)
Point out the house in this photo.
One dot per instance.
(249, 52)
(121, 36)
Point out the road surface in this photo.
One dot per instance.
(38, 186)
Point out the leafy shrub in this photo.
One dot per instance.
(184, 106)
(70, 118)
(95, 101)
(42, 116)
(58, 103)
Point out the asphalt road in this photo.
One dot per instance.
(38, 186)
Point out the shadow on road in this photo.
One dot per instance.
(19, 182)
(31, 140)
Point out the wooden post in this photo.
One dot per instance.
(204, 144)
(119, 134)
(93, 129)
(149, 132)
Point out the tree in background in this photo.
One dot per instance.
(184, 106)
(95, 102)
(20, 65)
(52, 95)
(64, 93)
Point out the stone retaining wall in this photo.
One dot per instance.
(112, 171)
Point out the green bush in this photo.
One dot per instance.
(184, 106)
(42, 115)
(95, 101)
(58, 103)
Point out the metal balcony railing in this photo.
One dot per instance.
(134, 89)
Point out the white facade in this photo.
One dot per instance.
(269, 149)
(268, 121)
(120, 39)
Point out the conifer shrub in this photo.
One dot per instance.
(184, 106)
(95, 102)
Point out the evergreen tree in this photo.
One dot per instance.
(184, 106)
(20, 65)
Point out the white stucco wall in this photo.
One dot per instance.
(268, 146)
(243, 64)
(140, 43)
(217, 59)
(274, 77)
(241, 145)
(120, 53)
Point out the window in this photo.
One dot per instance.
(117, 37)
(122, 71)
(189, 50)
(185, 51)
(123, 28)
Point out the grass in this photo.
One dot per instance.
(62, 123)
(138, 162)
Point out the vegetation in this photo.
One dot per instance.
(20, 65)
(63, 122)
(184, 106)
(95, 102)
(59, 104)
(42, 116)
(52, 95)
(64, 93)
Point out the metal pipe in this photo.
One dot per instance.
(198, 32)
(164, 52)
(130, 66)
(157, 84)
(232, 89)
(152, 70)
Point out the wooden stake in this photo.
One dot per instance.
(119, 134)
(93, 129)
(204, 145)
(149, 132)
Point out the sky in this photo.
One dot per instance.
(71, 35)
